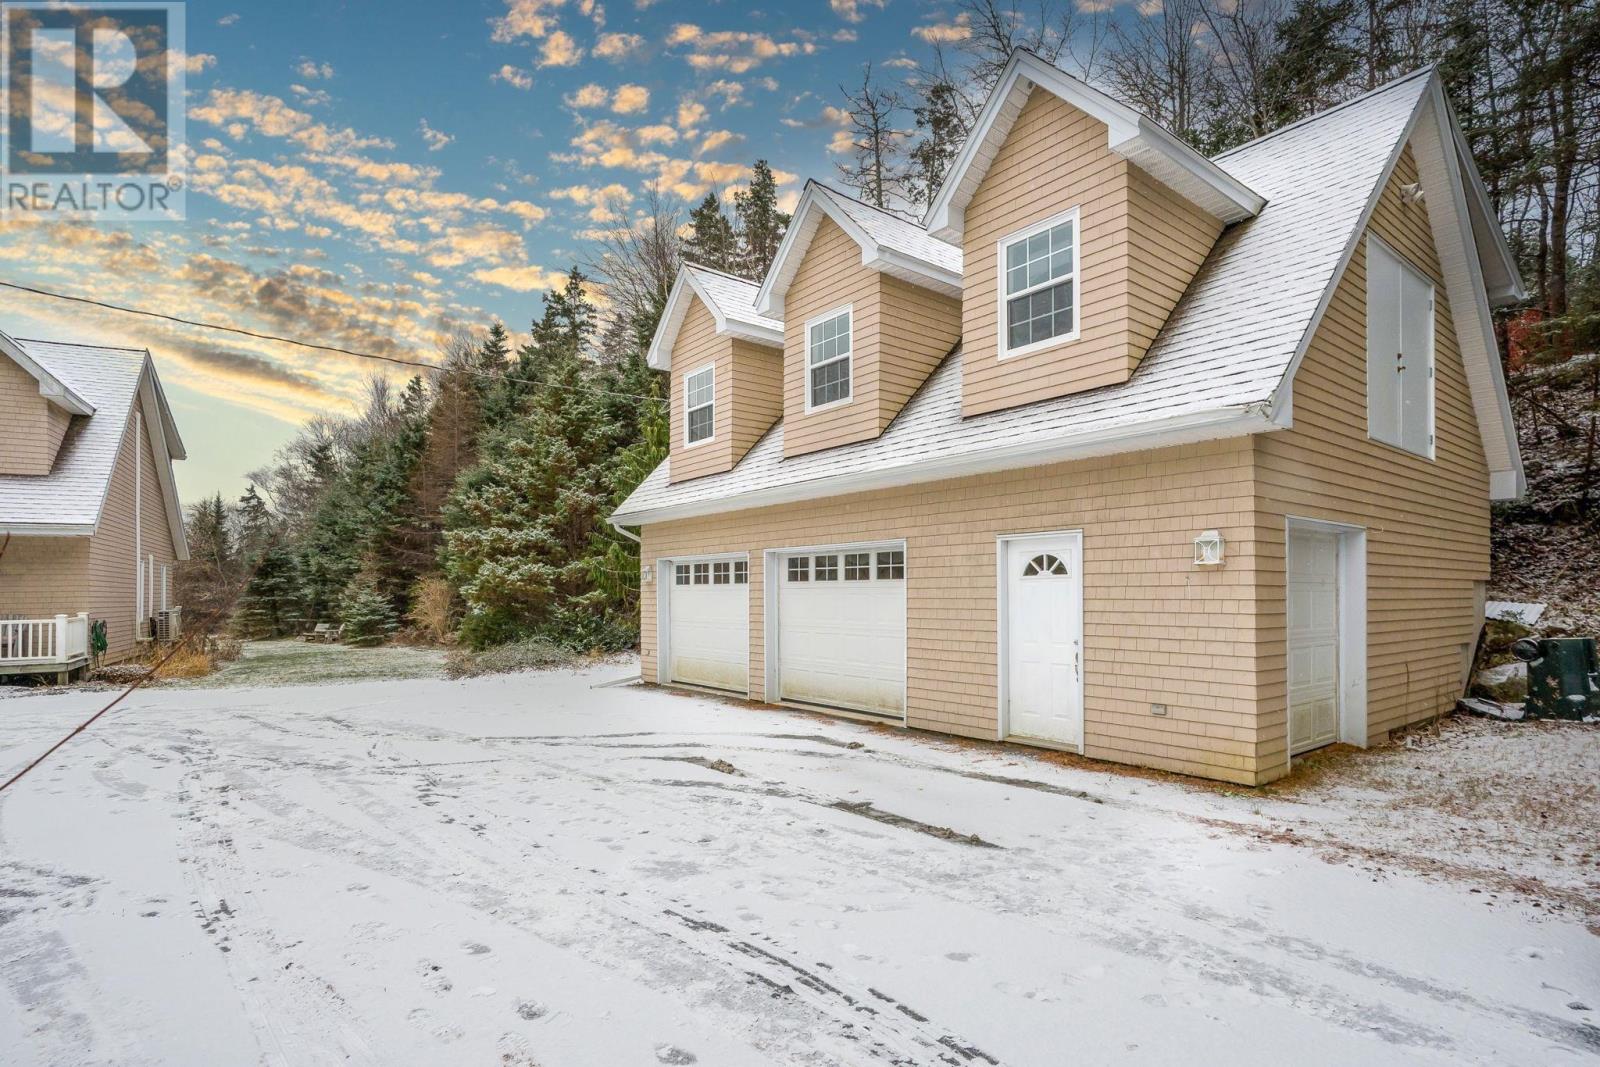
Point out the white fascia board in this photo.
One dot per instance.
(751, 331)
(1507, 485)
(1246, 202)
(1191, 428)
(156, 432)
(1509, 288)
(659, 356)
(769, 298)
(940, 280)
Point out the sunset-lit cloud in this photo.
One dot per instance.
(559, 50)
(617, 47)
(512, 76)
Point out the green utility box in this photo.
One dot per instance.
(1563, 676)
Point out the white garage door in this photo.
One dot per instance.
(1313, 597)
(708, 624)
(842, 629)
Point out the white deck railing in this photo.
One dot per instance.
(63, 639)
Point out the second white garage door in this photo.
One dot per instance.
(842, 628)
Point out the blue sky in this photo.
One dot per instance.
(375, 174)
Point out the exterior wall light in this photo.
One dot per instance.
(1208, 549)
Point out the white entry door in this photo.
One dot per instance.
(708, 639)
(1044, 638)
(1313, 608)
(842, 628)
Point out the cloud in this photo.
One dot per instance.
(560, 50)
(601, 200)
(199, 61)
(901, 63)
(594, 11)
(732, 92)
(630, 99)
(435, 139)
(517, 79)
(311, 97)
(656, 135)
(228, 20)
(735, 51)
(527, 279)
(958, 29)
(524, 18)
(718, 139)
(312, 70)
(617, 47)
(850, 10)
(691, 113)
(587, 96)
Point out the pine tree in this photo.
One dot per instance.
(940, 133)
(711, 240)
(761, 224)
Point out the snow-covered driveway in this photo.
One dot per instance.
(528, 870)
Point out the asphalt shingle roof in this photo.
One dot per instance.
(72, 493)
(1227, 345)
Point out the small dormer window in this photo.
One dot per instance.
(1039, 285)
(699, 404)
(828, 359)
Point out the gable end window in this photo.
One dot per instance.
(1039, 285)
(699, 404)
(1399, 352)
(828, 346)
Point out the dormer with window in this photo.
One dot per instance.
(1081, 223)
(871, 304)
(36, 409)
(726, 363)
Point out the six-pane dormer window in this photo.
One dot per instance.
(1039, 285)
(699, 404)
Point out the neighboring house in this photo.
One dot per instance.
(1167, 460)
(89, 514)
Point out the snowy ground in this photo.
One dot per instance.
(528, 870)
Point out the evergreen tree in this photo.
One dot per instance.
(366, 614)
(940, 132)
(1315, 61)
(270, 605)
(761, 224)
(206, 581)
(711, 241)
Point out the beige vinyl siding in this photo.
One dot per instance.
(1156, 629)
(757, 394)
(899, 333)
(748, 394)
(1427, 522)
(111, 551)
(1139, 246)
(33, 427)
(44, 576)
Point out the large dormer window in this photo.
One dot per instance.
(699, 404)
(1039, 285)
(828, 359)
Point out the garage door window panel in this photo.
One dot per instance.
(800, 569)
(891, 565)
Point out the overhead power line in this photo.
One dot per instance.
(401, 360)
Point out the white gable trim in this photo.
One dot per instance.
(816, 202)
(684, 290)
(1129, 134)
(51, 388)
(1445, 189)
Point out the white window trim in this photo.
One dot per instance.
(1433, 356)
(712, 404)
(843, 309)
(1001, 351)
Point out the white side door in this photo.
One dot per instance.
(708, 624)
(842, 629)
(1313, 610)
(1044, 638)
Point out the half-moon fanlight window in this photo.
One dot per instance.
(1045, 565)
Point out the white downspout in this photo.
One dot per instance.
(138, 522)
